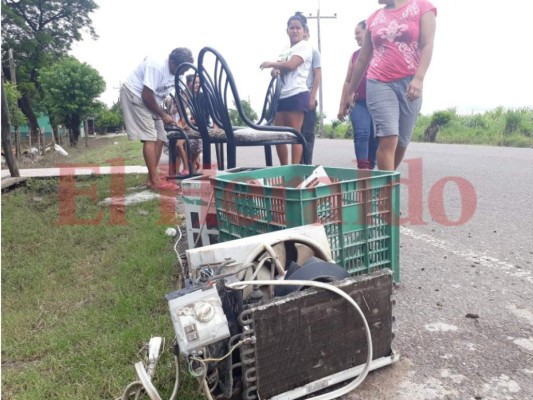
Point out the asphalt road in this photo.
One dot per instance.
(464, 307)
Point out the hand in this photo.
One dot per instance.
(265, 64)
(312, 104)
(414, 90)
(346, 107)
(343, 112)
(168, 120)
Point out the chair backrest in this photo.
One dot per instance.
(191, 104)
(270, 104)
(219, 84)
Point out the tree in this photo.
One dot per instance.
(109, 120)
(6, 135)
(71, 89)
(40, 32)
(16, 116)
(236, 119)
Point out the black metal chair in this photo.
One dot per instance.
(194, 111)
(270, 104)
(219, 86)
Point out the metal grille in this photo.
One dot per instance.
(312, 334)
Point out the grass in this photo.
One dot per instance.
(499, 127)
(80, 300)
(129, 151)
(508, 128)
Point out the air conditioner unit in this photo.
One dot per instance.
(259, 342)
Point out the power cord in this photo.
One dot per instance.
(155, 350)
(179, 256)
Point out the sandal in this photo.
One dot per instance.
(165, 187)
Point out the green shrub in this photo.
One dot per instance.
(516, 140)
(513, 121)
(337, 130)
(499, 127)
(476, 121)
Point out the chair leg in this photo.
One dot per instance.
(189, 165)
(206, 154)
(268, 155)
(172, 157)
(305, 158)
(232, 156)
(219, 148)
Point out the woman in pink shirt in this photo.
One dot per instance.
(397, 50)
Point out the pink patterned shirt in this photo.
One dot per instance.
(395, 38)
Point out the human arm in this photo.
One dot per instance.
(283, 66)
(317, 76)
(427, 37)
(358, 72)
(150, 102)
(342, 109)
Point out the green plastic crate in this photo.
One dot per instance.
(359, 211)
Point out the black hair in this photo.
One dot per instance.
(180, 55)
(362, 24)
(190, 78)
(299, 16)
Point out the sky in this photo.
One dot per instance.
(480, 60)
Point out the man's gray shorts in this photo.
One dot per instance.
(141, 123)
(392, 112)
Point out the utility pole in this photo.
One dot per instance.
(318, 17)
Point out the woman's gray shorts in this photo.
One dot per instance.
(392, 113)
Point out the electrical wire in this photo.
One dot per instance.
(176, 381)
(144, 383)
(154, 349)
(201, 375)
(242, 268)
(149, 388)
(320, 252)
(177, 242)
(179, 256)
(260, 265)
(133, 388)
(361, 377)
(280, 268)
(238, 344)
